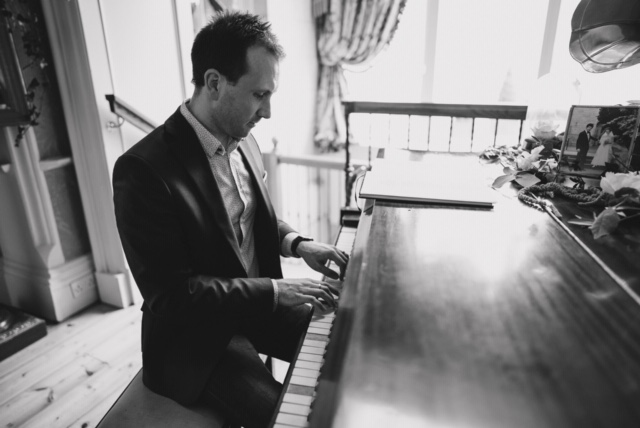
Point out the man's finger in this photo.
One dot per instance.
(333, 289)
(322, 294)
(316, 303)
(343, 270)
(328, 272)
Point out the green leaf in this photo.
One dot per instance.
(502, 180)
(627, 191)
(33, 84)
(526, 179)
(606, 222)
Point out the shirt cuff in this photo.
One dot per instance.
(285, 247)
(275, 294)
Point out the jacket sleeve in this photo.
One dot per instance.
(156, 248)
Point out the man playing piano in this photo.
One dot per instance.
(203, 241)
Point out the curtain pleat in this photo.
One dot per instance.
(349, 32)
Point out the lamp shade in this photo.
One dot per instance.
(606, 34)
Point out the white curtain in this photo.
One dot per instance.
(349, 32)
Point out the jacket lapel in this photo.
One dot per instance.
(249, 150)
(186, 147)
(249, 153)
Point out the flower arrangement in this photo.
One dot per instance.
(535, 162)
(535, 170)
(622, 194)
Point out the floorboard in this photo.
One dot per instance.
(72, 376)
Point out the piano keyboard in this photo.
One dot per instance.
(300, 391)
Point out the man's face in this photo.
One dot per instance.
(589, 128)
(243, 104)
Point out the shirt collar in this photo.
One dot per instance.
(209, 142)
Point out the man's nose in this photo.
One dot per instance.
(265, 109)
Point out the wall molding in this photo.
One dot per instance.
(94, 146)
(34, 193)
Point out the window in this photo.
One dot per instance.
(482, 52)
(457, 51)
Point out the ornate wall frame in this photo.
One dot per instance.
(14, 109)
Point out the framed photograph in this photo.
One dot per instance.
(599, 139)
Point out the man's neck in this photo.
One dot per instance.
(199, 110)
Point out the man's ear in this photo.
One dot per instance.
(213, 82)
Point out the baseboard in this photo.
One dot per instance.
(55, 293)
(114, 289)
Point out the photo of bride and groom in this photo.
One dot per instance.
(599, 139)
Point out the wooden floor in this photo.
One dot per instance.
(72, 376)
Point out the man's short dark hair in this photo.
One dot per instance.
(589, 125)
(223, 43)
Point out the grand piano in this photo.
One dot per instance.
(455, 316)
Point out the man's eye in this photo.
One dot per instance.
(259, 95)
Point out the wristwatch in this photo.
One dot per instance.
(296, 241)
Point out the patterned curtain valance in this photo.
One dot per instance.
(349, 32)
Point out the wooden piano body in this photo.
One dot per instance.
(466, 317)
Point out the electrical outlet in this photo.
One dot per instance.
(81, 286)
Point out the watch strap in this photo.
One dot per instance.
(296, 241)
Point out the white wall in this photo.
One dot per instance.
(144, 55)
(293, 106)
(146, 60)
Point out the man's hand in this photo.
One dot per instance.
(317, 254)
(294, 292)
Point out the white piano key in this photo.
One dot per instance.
(318, 337)
(312, 350)
(305, 381)
(301, 390)
(314, 374)
(295, 409)
(310, 357)
(292, 420)
(305, 400)
(322, 321)
(319, 324)
(317, 330)
(315, 343)
(308, 365)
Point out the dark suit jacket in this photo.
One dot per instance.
(181, 248)
(582, 143)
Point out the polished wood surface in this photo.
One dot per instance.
(619, 251)
(460, 317)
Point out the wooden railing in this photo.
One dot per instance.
(307, 190)
(429, 127)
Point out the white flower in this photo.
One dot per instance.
(525, 159)
(613, 182)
